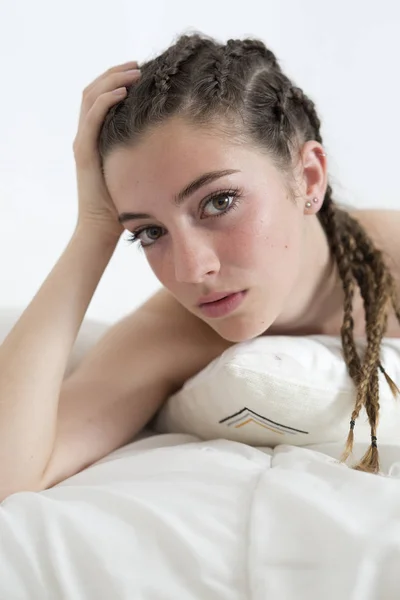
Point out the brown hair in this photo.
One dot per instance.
(241, 84)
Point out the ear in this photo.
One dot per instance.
(314, 175)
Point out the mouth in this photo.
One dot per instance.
(215, 297)
(224, 305)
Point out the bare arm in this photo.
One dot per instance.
(34, 355)
(124, 379)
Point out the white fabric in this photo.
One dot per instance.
(173, 518)
(282, 390)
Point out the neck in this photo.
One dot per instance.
(318, 300)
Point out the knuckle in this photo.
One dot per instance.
(86, 93)
(87, 101)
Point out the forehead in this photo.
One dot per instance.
(173, 144)
(172, 155)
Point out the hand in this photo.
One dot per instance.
(96, 208)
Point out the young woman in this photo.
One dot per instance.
(213, 160)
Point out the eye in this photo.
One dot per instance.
(151, 232)
(218, 202)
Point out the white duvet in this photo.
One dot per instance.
(171, 517)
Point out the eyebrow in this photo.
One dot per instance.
(185, 193)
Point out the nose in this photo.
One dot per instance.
(194, 257)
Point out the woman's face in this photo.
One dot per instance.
(240, 231)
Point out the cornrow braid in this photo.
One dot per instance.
(298, 96)
(244, 60)
(221, 71)
(215, 70)
(251, 47)
(171, 62)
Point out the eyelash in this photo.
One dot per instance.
(235, 193)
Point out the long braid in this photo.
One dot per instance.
(375, 284)
(372, 255)
(347, 243)
(328, 218)
(373, 277)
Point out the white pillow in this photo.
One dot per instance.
(281, 390)
(89, 333)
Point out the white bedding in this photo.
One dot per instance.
(171, 517)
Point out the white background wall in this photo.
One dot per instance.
(344, 54)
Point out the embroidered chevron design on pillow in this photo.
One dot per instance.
(246, 416)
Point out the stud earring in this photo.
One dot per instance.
(308, 204)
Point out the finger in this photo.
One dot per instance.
(112, 82)
(86, 140)
(116, 80)
(133, 64)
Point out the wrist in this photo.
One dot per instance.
(103, 233)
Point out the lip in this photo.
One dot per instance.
(223, 306)
(215, 296)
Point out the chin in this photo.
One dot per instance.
(239, 331)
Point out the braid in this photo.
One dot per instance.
(250, 48)
(213, 85)
(235, 50)
(374, 278)
(372, 256)
(377, 289)
(298, 96)
(358, 260)
(329, 218)
(171, 61)
(221, 70)
(373, 283)
(376, 283)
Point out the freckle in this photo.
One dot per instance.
(285, 246)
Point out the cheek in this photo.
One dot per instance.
(158, 263)
(274, 245)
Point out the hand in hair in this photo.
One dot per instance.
(96, 207)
